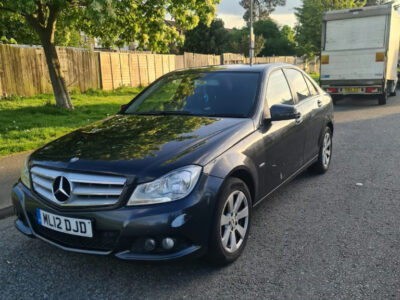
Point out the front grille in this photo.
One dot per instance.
(101, 240)
(85, 189)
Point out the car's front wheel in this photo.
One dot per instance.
(325, 153)
(231, 222)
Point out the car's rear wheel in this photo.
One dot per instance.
(325, 153)
(231, 222)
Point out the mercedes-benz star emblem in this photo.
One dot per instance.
(61, 189)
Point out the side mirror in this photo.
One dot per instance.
(281, 112)
(123, 107)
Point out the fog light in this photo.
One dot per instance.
(168, 243)
(149, 244)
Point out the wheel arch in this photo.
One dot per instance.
(236, 165)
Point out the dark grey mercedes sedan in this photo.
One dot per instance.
(178, 171)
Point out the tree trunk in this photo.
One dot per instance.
(57, 80)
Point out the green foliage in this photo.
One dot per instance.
(278, 41)
(30, 122)
(309, 17)
(261, 8)
(116, 23)
(15, 30)
(270, 39)
(239, 42)
(314, 76)
(205, 39)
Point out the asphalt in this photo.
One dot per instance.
(10, 168)
(320, 237)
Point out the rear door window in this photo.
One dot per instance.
(311, 87)
(278, 91)
(298, 84)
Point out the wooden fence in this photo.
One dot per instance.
(23, 70)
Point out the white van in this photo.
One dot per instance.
(360, 49)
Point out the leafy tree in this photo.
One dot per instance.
(114, 22)
(270, 39)
(282, 45)
(261, 8)
(205, 39)
(309, 17)
(239, 42)
(14, 27)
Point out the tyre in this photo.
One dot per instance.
(325, 154)
(383, 98)
(231, 222)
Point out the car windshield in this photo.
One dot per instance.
(215, 94)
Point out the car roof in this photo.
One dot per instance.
(236, 68)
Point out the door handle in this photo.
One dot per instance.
(319, 102)
(299, 119)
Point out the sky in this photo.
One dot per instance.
(232, 13)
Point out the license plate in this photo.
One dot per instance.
(80, 227)
(351, 90)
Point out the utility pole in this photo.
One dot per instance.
(252, 40)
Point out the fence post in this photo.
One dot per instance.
(111, 68)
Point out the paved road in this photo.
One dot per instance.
(319, 237)
(10, 167)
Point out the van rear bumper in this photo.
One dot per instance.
(353, 90)
(351, 82)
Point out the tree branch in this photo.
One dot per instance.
(51, 21)
(35, 24)
(41, 16)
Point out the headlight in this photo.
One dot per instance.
(25, 178)
(170, 187)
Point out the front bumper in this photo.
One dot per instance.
(122, 231)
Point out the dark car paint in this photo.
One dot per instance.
(264, 153)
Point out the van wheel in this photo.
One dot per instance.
(336, 98)
(383, 98)
(231, 222)
(325, 154)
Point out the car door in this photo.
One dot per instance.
(307, 105)
(321, 102)
(282, 141)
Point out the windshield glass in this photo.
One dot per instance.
(230, 94)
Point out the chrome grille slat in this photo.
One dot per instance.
(86, 189)
(95, 190)
(46, 184)
(44, 193)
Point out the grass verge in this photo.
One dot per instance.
(30, 122)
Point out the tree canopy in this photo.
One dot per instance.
(115, 23)
(261, 8)
(205, 39)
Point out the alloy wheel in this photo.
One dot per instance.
(326, 150)
(234, 221)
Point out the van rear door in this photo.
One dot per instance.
(354, 48)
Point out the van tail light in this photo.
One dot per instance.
(371, 90)
(332, 90)
(325, 59)
(380, 56)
